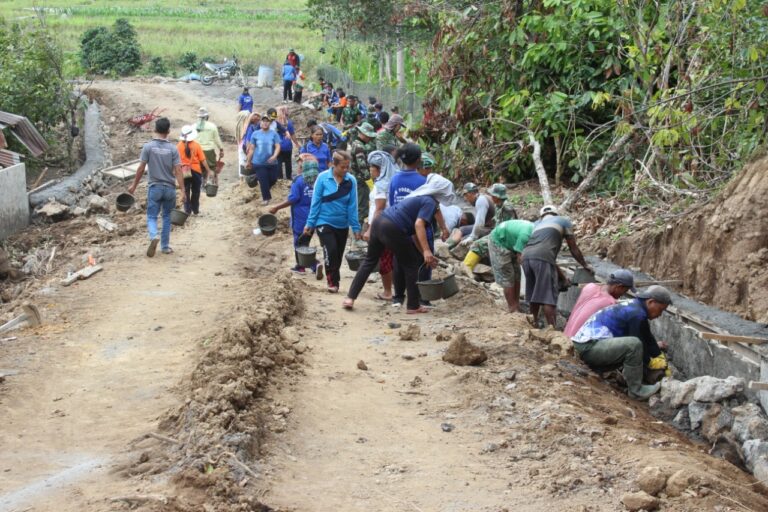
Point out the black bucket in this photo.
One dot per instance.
(268, 224)
(124, 202)
(431, 290)
(211, 190)
(306, 256)
(354, 259)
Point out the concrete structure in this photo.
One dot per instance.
(14, 204)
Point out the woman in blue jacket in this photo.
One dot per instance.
(289, 76)
(332, 213)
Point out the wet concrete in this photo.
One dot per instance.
(691, 354)
(94, 160)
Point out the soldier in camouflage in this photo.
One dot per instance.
(390, 135)
(504, 212)
(351, 115)
(359, 149)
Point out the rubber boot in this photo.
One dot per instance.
(634, 377)
(471, 259)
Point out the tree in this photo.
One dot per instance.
(111, 51)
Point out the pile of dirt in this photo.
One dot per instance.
(719, 250)
(210, 444)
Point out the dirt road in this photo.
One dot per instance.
(252, 381)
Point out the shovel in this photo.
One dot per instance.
(30, 316)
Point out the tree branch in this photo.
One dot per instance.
(546, 195)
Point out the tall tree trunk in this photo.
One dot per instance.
(388, 66)
(546, 195)
(400, 61)
(381, 64)
(558, 159)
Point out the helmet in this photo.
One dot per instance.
(548, 210)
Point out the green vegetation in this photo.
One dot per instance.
(257, 31)
(114, 51)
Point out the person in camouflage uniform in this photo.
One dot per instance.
(390, 135)
(351, 115)
(359, 149)
(504, 212)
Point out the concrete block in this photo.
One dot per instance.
(14, 204)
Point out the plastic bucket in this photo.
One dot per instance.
(431, 290)
(354, 259)
(252, 180)
(211, 189)
(268, 224)
(124, 202)
(178, 217)
(266, 77)
(450, 286)
(306, 256)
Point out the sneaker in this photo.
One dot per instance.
(396, 303)
(265, 202)
(152, 247)
(319, 273)
(167, 250)
(297, 269)
(333, 289)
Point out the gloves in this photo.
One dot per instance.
(467, 241)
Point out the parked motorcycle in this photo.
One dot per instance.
(227, 71)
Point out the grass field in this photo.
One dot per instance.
(257, 31)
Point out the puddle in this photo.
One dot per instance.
(33, 490)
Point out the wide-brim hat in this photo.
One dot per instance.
(394, 121)
(202, 112)
(188, 133)
(498, 191)
(367, 130)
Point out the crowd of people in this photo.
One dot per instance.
(367, 178)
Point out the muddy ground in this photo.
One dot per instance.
(213, 380)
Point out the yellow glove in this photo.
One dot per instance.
(471, 259)
(658, 363)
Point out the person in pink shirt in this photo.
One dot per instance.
(595, 297)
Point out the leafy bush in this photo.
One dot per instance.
(157, 66)
(189, 61)
(111, 51)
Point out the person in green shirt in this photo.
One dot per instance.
(351, 114)
(360, 148)
(390, 135)
(505, 246)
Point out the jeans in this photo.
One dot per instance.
(333, 241)
(284, 160)
(287, 90)
(159, 197)
(267, 175)
(386, 235)
(192, 188)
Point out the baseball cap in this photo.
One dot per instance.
(657, 293)
(470, 187)
(546, 210)
(498, 190)
(624, 278)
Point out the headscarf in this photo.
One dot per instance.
(309, 172)
(386, 163)
(438, 187)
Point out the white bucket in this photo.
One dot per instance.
(266, 77)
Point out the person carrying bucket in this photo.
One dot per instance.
(300, 199)
(193, 162)
(395, 229)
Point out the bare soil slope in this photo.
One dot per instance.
(719, 250)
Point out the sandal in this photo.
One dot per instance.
(348, 303)
(421, 309)
(381, 296)
(333, 289)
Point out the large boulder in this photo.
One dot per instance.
(696, 412)
(677, 393)
(712, 389)
(97, 204)
(756, 457)
(680, 481)
(749, 422)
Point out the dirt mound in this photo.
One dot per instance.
(209, 444)
(719, 251)
(463, 353)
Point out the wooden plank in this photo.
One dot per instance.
(758, 385)
(670, 282)
(81, 274)
(729, 338)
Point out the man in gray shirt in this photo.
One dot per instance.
(540, 262)
(164, 163)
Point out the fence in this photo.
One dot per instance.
(409, 103)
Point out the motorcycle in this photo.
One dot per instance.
(227, 71)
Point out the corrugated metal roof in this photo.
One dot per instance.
(8, 158)
(25, 131)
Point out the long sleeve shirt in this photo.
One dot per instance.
(628, 318)
(339, 213)
(481, 212)
(208, 136)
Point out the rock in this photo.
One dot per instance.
(677, 393)
(490, 448)
(79, 211)
(640, 501)
(410, 333)
(682, 421)
(756, 458)
(98, 204)
(393, 325)
(696, 412)
(509, 375)
(716, 420)
(408, 357)
(442, 250)
(447, 427)
(483, 273)
(652, 480)
(711, 389)
(556, 340)
(728, 448)
(749, 422)
(54, 211)
(361, 365)
(463, 353)
(444, 335)
(460, 252)
(679, 482)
